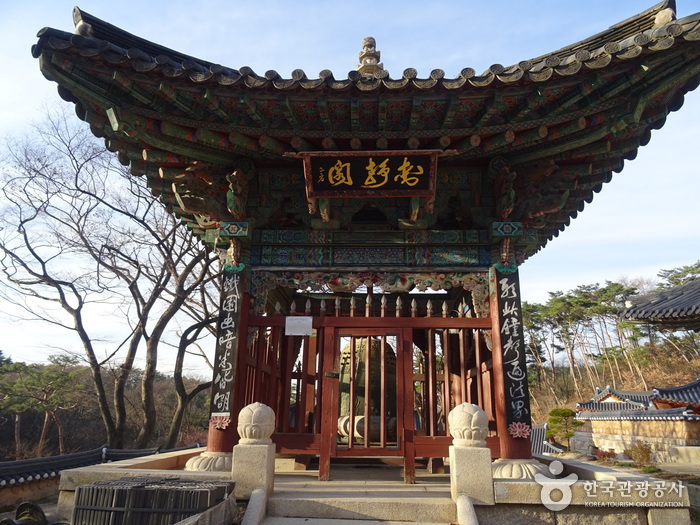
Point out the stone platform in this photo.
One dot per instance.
(373, 493)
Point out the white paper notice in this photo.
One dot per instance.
(298, 325)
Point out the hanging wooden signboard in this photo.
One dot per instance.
(370, 174)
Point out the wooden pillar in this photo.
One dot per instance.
(222, 434)
(512, 402)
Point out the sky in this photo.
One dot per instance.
(645, 220)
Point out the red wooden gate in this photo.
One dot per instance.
(415, 370)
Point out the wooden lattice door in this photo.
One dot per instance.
(368, 408)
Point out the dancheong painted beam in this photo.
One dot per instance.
(528, 144)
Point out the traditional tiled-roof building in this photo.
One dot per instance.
(676, 308)
(665, 417)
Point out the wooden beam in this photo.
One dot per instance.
(174, 97)
(289, 113)
(354, 114)
(253, 110)
(214, 105)
(493, 107)
(382, 114)
(415, 113)
(450, 113)
(322, 105)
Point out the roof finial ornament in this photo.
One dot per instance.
(81, 26)
(369, 58)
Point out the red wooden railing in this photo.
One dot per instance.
(441, 361)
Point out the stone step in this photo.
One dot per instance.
(686, 454)
(383, 505)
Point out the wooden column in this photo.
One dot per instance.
(222, 425)
(512, 402)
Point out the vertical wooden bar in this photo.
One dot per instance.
(329, 416)
(431, 383)
(282, 390)
(447, 404)
(421, 391)
(310, 380)
(463, 365)
(353, 378)
(268, 383)
(368, 390)
(301, 385)
(487, 378)
(320, 338)
(287, 371)
(479, 368)
(382, 402)
(404, 369)
(256, 387)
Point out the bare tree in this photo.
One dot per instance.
(82, 240)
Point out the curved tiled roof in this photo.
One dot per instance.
(652, 30)
(562, 123)
(677, 307)
(671, 414)
(635, 396)
(596, 406)
(685, 394)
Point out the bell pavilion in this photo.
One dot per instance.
(373, 225)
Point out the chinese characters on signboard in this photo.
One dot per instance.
(226, 345)
(367, 174)
(513, 348)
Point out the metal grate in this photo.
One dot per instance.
(146, 500)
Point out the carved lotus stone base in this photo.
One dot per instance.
(518, 468)
(210, 462)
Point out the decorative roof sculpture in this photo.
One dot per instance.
(522, 149)
(369, 59)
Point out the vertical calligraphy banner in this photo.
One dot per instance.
(226, 349)
(513, 350)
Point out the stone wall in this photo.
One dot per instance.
(13, 495)
(617, 436)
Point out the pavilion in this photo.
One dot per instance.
(335, 198)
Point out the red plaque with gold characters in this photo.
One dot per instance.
(370, 174)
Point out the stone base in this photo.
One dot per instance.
(518, 468)
(210, 462)
(470, 474)
(253, 468)
(686, 455)
(292, 463)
